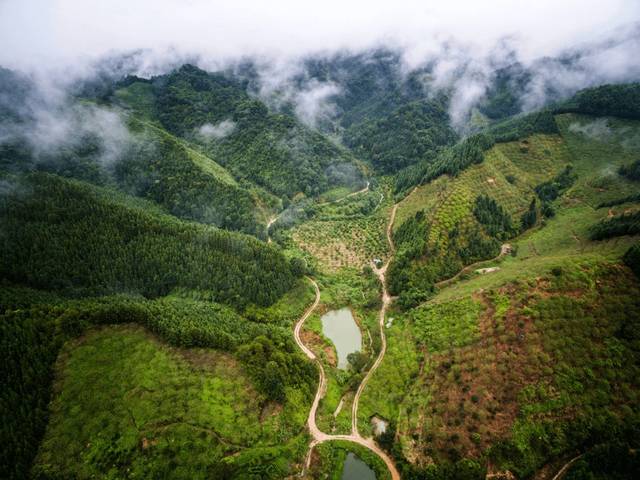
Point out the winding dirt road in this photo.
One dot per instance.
(355, 437)
(386, 301)
(364, 190)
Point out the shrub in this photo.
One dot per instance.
(628, 224)
(632, 172)
(530, 217)
(632, 259)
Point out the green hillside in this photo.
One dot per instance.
(65, 235)
(274, 151)
(412, 132)
(187, 183)
(535, 360)
(152, 326)
(69, 240)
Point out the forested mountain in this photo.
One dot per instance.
(272, 150)
(65, 235)
(147, 313)
(387, 116)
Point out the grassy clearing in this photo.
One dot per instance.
(126, 405)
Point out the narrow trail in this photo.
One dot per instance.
(364, 190)
(566, 467)
(273, 219)
(504, 250)
(318, 435)
(386, 301)
(341, 199)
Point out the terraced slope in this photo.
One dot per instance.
(439, 232)
(523, 368)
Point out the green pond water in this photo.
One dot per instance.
(356, 469)
(340, 327)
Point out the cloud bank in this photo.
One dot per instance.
(464, 41)
(53, 31)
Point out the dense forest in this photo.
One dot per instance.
(272, 150)
(414, 131)
(64, 235)
(83, 241)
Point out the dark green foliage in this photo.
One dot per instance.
(64, 235)
(522, 126)
(141, 158)
(632, 259)
(161, 168)
(189, 97)
(471, 150)
(30, 338)
(411, 236)
(413, 280)
(371, 82)
(415, 296)
(496, 221)
(626, 224)
(463, 469)
(620, 201)
(275, 365)
(549, 191)
(612, 100)
(450, 161)
(29, 351)
(617, 459)
(547, 210)
(387, 438)
(357, 361)
(530, 217)
(272, 150)
(406, 136)
(632, 172)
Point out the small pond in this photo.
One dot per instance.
(356, 469)
(340, 327)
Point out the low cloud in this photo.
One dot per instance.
(597, 130)
(313, 104)
(217, 131)
(54, 126)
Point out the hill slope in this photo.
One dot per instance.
(271, 150)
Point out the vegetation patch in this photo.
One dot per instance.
(126, 405)
(537, 370)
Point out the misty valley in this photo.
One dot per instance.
(351, 263)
